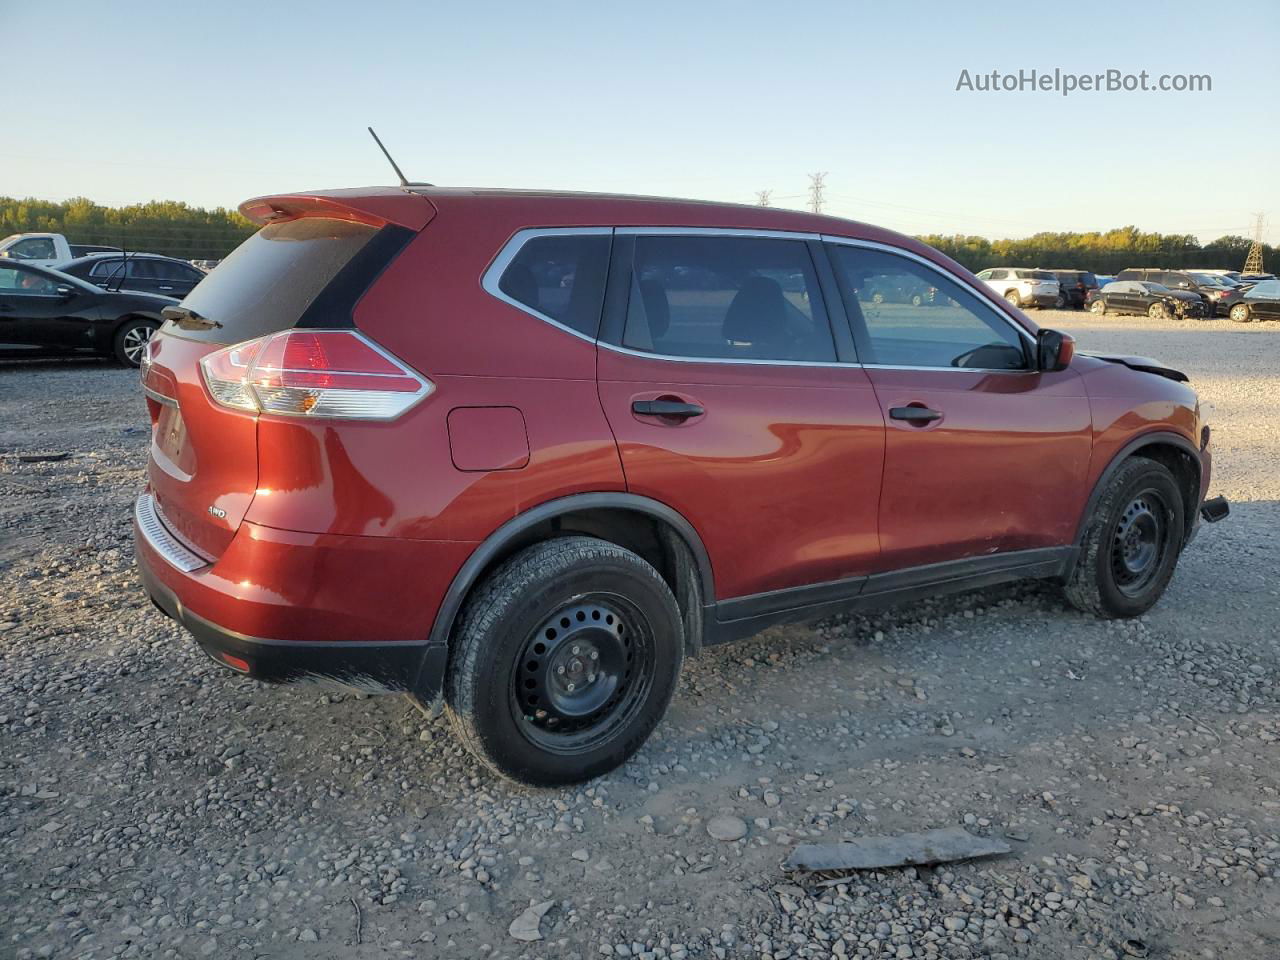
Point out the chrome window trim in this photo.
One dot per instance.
(715, 232)
(493, 274)
(158, 537)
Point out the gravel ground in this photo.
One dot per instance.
(152, 804)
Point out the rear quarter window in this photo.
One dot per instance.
(561, 277)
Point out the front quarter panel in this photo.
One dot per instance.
(1126, 404)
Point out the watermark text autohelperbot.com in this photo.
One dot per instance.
(1060, 81)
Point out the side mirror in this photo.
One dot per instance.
(1054, 350)
(65, 292)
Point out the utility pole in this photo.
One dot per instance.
(1253, 262)
(762, 198)
(816, 183)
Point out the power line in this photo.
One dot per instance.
(762, 198)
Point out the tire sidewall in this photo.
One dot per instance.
(118, 341)
(1156, 478)
(517, 617)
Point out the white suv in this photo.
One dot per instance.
(1023, 287)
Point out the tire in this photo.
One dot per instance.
(1239, 313)
(1131, 544)
(916, 300)
(1011, 296)
(131, 339)
(1098, 307)
(1158, 311)
(877, 297)
(1060, 302)
(522, 692)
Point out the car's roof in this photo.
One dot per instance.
(115, 255)
(517, 207)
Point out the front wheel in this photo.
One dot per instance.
(564, 662)
(1060, 301)
(1239, 313)
(131, 340)
(1131, 544)
(1098, 307)
(1158, 311)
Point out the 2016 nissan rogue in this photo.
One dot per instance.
(527, 451)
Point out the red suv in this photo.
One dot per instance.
(527, 451)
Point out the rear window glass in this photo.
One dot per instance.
(269, 280)
(561, 277)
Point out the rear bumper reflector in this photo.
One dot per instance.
(161, 540)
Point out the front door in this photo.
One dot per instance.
(34, 313)
(720, 378)
(982, 453)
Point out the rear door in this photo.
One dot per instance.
(203, 469)
(982, 453)
(723, 385)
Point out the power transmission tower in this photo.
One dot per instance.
(816, 183)
(762, 198)
(1253, 262)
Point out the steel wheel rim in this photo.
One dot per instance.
(134, 342)
(583, 674)
(1139, 543)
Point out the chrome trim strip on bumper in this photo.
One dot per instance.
(161, 540)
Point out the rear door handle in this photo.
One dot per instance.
(914, 414)
(676, 409)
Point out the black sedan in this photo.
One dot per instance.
(144, 272)
(1154, 299)
(43, 311)
(1261, 302)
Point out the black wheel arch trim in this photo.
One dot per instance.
(494, 544)
(1152, 438)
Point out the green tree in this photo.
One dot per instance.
(160, 226)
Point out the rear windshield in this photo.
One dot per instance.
(1038, 274)
(269, 280)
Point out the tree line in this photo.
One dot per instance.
(161, 226)
(180, 230)
(1102, 252)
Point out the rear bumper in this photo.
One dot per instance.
(285, 607)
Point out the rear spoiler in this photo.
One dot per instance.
(376, 206)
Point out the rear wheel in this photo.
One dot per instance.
(565, 660)
(1012, 297)
(1060, 301)
(1239, 313)
(131, 340)
(1132, 542)
(1098, 306)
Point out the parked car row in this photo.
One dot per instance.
(1156, 292)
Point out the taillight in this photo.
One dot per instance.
(313, 373)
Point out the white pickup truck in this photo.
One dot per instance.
(46, 249)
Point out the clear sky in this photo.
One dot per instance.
(216, 102)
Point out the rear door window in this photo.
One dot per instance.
(560, 277)
(726, 298)
(269, 281)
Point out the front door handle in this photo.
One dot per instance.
(914, 414)
(675, 409)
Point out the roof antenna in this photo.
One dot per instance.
(386, 153)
